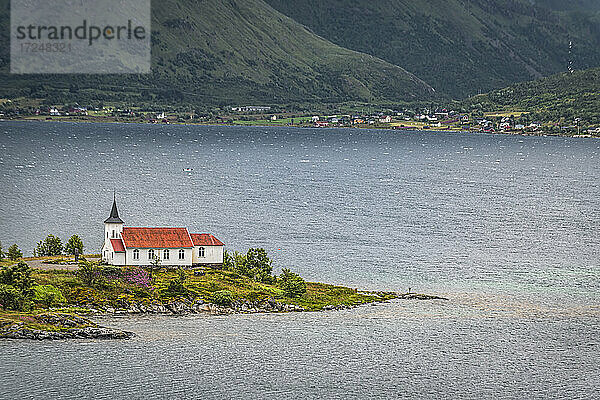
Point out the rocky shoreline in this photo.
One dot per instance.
(242, 306)
(185, 306)
(64, 326)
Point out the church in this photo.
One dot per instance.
(173, 247)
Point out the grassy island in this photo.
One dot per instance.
(120, 288)
(52, 300)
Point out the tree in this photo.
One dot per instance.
(258, 266)
(254, 264)
(74, 245)
(51, 246)
(16, 286)
(228, 260)
(14, 253)
(292, 284)
(1, 252)
(10, 298)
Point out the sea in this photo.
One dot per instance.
(506, 227)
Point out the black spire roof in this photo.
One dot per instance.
(114, 213)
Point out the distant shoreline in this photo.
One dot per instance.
(403, 129)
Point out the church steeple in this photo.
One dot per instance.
(114, 213)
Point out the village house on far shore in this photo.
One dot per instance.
(174, 247)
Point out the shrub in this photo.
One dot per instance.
(222, 297)
(255, 295)
(292, 284)
(14, 253)
(110, 272)
(48, 295)
(18, 276)
(10, 298)
(89, 272)
(74, 245)
(176, 285)
(51, 246)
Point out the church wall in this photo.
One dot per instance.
(212, 255)
(172, 261)
(118, 259)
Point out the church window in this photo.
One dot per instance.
(181, 254)
(114, 234)
(165, 254)
(151, 255)
(201, 252)
(136, 254)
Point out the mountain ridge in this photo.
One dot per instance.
(459, 47)
(230, 52)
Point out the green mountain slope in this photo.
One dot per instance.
(563, 96)
(460, 47)
(228, 52)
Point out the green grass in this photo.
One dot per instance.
(319, 295)
(116, 293)
(81, 298)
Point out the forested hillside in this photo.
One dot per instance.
(563, 96)
(461, 47)
(226, 52)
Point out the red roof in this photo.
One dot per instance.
(156, 237)
(117, 245)
(205, 239)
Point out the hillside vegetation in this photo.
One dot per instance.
(564, 96)
(461, 48)
(221, 53)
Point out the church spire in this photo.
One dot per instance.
(114, 213)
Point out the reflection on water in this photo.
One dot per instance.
(505, 227)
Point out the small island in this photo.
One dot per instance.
(43, 297)
(56, 303)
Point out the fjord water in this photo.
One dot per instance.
(506, 227)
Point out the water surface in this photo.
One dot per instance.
(505, 226)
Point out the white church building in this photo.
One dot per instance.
(124, 245)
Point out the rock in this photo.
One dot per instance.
(90, 332)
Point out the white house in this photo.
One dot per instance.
(125, 245)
